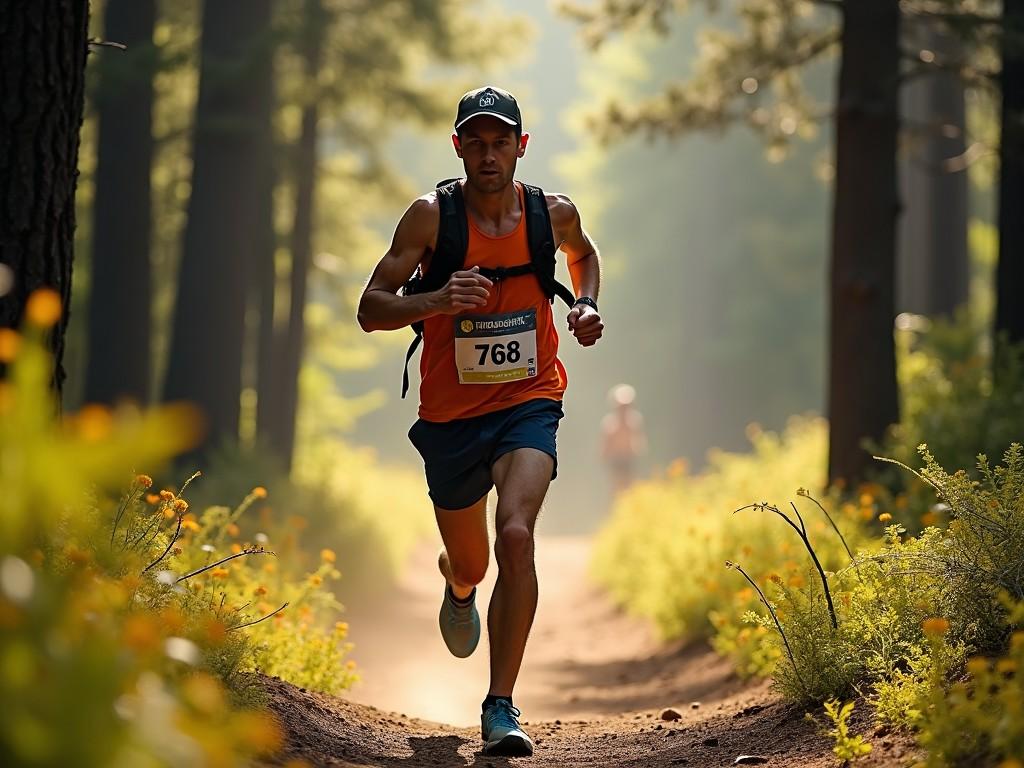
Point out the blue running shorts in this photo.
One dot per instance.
(458, 455)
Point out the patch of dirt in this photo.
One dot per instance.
(593, 686)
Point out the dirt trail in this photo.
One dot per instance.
(593, 684)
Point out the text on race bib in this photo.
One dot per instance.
(494, 349)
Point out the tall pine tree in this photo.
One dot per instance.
(42, 68)
(221, 239)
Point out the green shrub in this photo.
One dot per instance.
(981, 554)
(339, 496)
(954, 398)
(978, 719)
(662, 553)
(102, 660)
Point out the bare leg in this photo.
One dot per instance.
(522, 477)
(463, 561)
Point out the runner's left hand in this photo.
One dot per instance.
(585, 324)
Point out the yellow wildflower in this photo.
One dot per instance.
(169, 513)
(1005, 666)
(152, 498)
(327, 555)
(935, 626)
(259, 492)
(236, 548)
(166, 495)
(180, 506)
(190, 525)
(145, 481)
(977, 666)
(316, 580)
(260, 590)
(866, 499)
(341, 626)
(220, 573)
(885, 517)
(44, 307)
(232, 529)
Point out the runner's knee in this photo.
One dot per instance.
(513, 547)
(469, 573)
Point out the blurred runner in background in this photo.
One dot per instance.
(623, 439)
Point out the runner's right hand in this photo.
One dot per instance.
(465, 290)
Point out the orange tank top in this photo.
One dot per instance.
(488, 336)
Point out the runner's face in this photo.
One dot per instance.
(489, 152)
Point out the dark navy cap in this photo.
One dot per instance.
(489, 100)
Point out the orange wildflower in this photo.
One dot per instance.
(44, 307)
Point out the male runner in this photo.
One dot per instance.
(491, 387)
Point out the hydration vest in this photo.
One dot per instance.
(453, 240)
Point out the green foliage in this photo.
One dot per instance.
(846, 747)
(371, 514)
(980, 557)
(978, 719)
(104, 659)
(954, 397)
(677, 577)
(748, 70)
(128, 623)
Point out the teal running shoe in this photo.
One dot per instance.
(460, 624)
(501, 733)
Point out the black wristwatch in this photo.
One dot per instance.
(586, 300)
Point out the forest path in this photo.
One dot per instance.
(592, 686)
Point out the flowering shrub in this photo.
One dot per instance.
(953, 398)
(677, 577)
(980, 717)
(122, 641)
(291, 611)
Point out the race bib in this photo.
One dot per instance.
(494, 349)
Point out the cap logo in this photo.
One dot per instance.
(487, 100)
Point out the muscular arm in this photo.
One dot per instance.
(582, 256)
(584, 263)
(380, 306)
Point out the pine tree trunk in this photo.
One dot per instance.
(301, 244)
(221, 241)
(862, 371)
(120, 293)
(932, 273)
(264, 288)
(1010, 272)
(42, 78)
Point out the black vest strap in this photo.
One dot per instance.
(542, 244)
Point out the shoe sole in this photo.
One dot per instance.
(510, 746)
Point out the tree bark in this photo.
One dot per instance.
(932, 268)
(1010, 271)
(862, 362)
(292, 344)
(119, 351)
(42, 78)
(220, 241)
